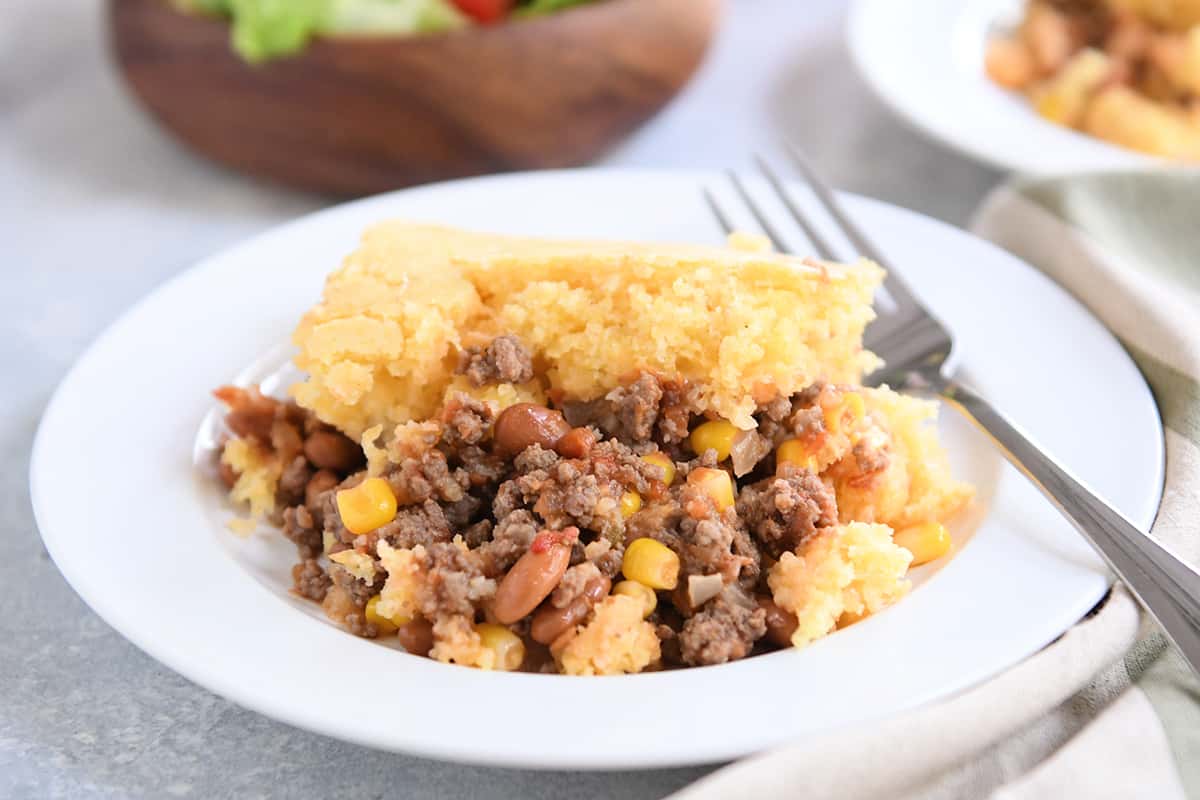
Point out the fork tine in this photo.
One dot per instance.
(900, 294)
(776, 240)
(832, 206)
(818, 241)
(718, 212)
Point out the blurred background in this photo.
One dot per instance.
(98, 204)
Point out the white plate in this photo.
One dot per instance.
(137, 528)
(924, 58)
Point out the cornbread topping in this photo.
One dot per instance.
(591, 458)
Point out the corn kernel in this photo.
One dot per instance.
(662, 460)
(926, 542)
(640, 592)
(651, 563)
(385, 625)
(630, 503)
(367, 506)
(794, 451)
(845, 414)
(715, 483)
(1052, 107)
(508, 647)
(716, 434)
(748, 242)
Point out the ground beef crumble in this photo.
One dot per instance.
(425, 524)
(679, 403)
(744, 548)
(807, 424)
(463, 514)
(417, 479)
(635, 408)
(504, 360)
(346, 599)
(310, 579)
(725, 629)
(706, 544)
(645, 409)
(870, 459)
(466, 420)
(567, 495)
(476, 535)
(300, 527)
(468, 513)
(785, 510)
(797, 417)
(293, 481)
(584, 493)
(511, 537)
(483, 470)
(456, 583)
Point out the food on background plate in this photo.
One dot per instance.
(591, 457)
(265, 29)
(1126, 71)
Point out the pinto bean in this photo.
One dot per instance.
(251, 413)
(781, 624)
(549, 622)
(534, 576)
(321, 482)
(416, 637)
(228, 474)
(537, 658)
(524, 424)
(286, 440)
(332, 450)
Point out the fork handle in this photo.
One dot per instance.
(1164, 584)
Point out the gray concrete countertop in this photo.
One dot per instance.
(97, 207)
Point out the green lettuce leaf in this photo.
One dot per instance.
(265, 29)
(537, 8)
(392, 16)
(203, 6)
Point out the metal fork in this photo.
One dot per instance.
(917, 349)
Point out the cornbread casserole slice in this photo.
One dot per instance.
(591, 458)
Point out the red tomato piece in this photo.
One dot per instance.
(485, 11)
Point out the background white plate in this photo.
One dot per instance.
(140, 534)
(924, 58)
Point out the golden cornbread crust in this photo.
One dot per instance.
(743, 326)
(616, 641)
(852, 570)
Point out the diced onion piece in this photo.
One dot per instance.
(702, 588)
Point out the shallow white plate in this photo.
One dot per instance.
(140, 535)
(924, 58)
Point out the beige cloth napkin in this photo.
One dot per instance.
(1108, 710)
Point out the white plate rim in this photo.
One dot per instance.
(695, 752)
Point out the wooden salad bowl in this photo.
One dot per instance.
(362, 115)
